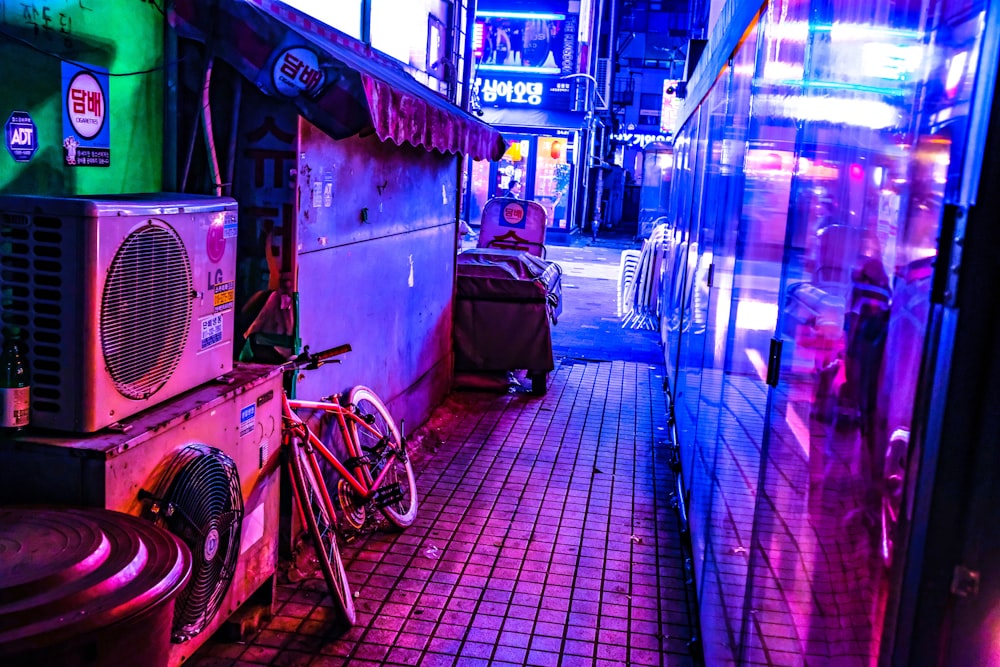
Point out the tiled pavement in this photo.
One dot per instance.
(545, 534)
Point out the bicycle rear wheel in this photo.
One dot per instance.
(371, 409)
(314, 500)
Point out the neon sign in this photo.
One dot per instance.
(518, 92)
(637, 140)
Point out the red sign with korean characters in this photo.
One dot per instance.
(296, 71)
(86, 106)
(86, 133)
(513, 215)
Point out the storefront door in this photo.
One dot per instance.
(535, 167)
(553, 174)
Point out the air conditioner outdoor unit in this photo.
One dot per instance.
(203, 465)
(126, 300)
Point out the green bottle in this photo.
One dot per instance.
(14, 384)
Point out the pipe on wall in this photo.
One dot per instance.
(170, 79)
(206, 117)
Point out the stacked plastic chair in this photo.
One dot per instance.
(639, 288)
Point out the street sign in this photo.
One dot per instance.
(21, 136)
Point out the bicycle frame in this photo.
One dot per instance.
(361, 480)
(312, 495)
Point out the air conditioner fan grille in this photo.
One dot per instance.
(146, 310)
(203, 505)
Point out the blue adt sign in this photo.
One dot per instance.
(21, 136)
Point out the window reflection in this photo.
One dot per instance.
(344, 15)
(809, 190)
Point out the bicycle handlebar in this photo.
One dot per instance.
(311, 361)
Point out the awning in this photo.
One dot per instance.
(339, 84)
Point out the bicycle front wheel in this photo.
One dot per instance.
(380, 430)
(317, 511)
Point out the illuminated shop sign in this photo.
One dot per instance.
(637, 140)
(670, 107)
(525, 42)
(520, 92)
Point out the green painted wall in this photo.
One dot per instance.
(125, 37)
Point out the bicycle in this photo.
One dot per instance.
(376, 478)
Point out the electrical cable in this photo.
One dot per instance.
(82, 66)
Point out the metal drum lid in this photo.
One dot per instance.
(66, 572)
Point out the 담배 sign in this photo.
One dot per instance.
(292, 69)
(86, 127)
(514, 214)
(21, 136)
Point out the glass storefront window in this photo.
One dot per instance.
(536, 167)
(512, 170)
(553, 173)
(344, 15)
(479, 190)
(826, 151)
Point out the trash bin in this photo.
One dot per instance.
(86, 588)
(505, 303)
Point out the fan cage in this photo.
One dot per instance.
(205, 509)
(146, 310)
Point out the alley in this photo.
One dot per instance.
(546, 534)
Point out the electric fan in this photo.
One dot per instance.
(199, 500)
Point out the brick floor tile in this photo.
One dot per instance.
(612, 652)
(616, 637)
(516, 638)
(511, 654)
(542, 659)
(461, 604)
(410, 640)
(582, 592)
(583, 618)
(297, 609)
(370, 651)
(546, 643)
(531, 577)
(527, 593)
(638, 656)
(260, 654)
(330, 661)
(385, 636)
(520, 611)
(556, 602)
(437, 660)
(431, 613)
(472, 661)
(273, 638)
(579, 647)
(556, 580)
(477, 649)
(518, 625)
(444, 645)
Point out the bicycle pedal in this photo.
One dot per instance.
(390, 494)
(357, 462)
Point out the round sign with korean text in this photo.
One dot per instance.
(512, 215)
(86, 105)
(296, 71)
